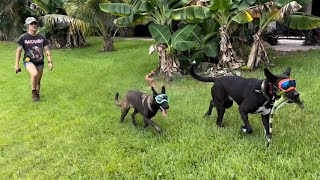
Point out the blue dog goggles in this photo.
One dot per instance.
(287, 85)
(161, 98)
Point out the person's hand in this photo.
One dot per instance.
(18, 69)
(50, 65)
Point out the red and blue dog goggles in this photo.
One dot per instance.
(287, 85)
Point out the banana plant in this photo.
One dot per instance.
(169, 43)
(267, 12)
(301, 21)
(160, 14)
(225, 13)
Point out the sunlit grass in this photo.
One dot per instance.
(75, 131)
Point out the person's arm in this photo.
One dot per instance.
(50, 63)
(18, 54)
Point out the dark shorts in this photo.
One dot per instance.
(38, 66)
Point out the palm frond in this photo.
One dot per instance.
(58, 21)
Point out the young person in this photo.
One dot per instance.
(33, 45)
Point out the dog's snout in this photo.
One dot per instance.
(165, 105)
(296, 94)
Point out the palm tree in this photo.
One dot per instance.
(64, 31)
(89, 11)
(61, 29)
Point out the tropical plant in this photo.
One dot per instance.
(90, 12)
(301, 21)
(267, 12)
(226, 13)
(64, 31)
(11, 22)
(160, 14)
(61, 29)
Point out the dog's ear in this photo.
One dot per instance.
(163, 90)
(287, 71)
(272, 78)
(154, 91)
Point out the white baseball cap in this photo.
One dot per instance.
(29, 20)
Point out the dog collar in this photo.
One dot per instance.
(263, 90)
(147, 98)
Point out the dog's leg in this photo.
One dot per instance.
(244, 116)
(153, 124)
(228, 103)
(211, 105)
(145, 124)
(124, 112)
(244, 109)
(265, 121)
(220, 111)
(133, 115)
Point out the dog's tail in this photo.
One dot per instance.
(200, 78)
(116, 100)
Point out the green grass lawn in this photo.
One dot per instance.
(75, 130)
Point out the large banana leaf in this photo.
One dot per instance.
(302, 21)
(287, 9)
(180, 3)
(243, 5)
(211, 49)
(118, 9)
(183, 34)
(251, 2)
(123, 21)
(270, 12)
(142, 5)
(209, 46)
(131, 20)
(183, 45)
(160, 33)
(191, 13)
(220, 5)
(180, 39)
(242, 17)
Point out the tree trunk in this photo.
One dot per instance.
(108, 43)
(228, 57)
(168, 66)
(66, 39)
(258, 53)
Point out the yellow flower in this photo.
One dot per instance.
(27, 59)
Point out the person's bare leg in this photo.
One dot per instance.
(34, 80)
(40, 72)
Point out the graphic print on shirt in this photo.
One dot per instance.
(35, 52)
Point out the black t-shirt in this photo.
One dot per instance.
(33, 47)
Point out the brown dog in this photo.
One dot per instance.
(145, 104)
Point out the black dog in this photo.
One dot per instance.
(252, 95)
(147, 105)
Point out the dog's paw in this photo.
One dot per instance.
(206, 115)
(158, 129)
(245, 130)
(269, 139)
(220, 126)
